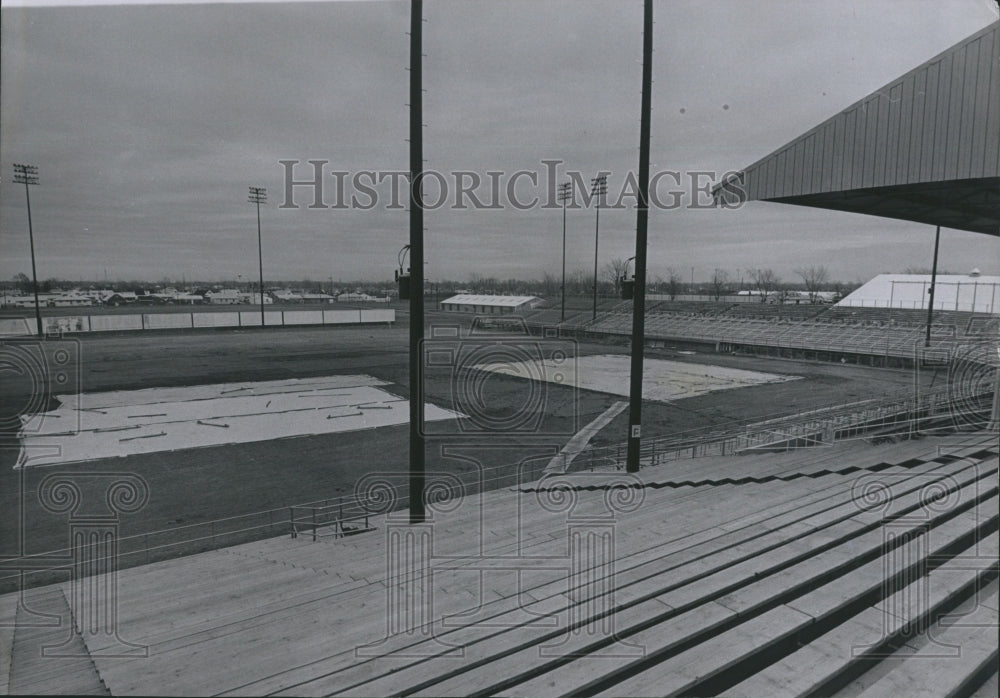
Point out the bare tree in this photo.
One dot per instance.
(674, 281)
(550, 284)
(765, 281)
(613, 271)
(719, 283)
(815, 278)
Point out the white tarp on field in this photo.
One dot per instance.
(122, 423)
(662, 381)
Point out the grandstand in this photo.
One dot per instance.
(862, 561)
(874, 339)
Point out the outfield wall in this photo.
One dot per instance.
(70, 324)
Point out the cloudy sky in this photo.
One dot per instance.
(148, 123)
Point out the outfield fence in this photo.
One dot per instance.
(74, 324)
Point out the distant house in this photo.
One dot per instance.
(121, 298)
(24, 301)
(254, 298)
(226, 296)
(286, 296)
(490, 305)
(317, 298)
(360, 298)
(186, 298)
(71, 299)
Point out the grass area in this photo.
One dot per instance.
(196, 486)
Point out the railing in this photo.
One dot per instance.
(340, 513)
(820, 427)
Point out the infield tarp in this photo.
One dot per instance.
(123, 423)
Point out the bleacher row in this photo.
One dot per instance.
(880, 583)
(870, 336)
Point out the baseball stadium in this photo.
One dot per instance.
(217, 501)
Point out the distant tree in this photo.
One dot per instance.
(673, 283)
(927, 271)
(765, 281)
(23, 283)
(815, 278)
(612, 273)
(719, 284)
(579, 283)
(550, 285)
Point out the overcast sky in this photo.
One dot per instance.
(148, 123)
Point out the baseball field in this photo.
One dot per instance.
(228, 423)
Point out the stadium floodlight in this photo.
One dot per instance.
(258, 195)
(598, 188)
(403, 274)
(28, 175)
(565, 194)
(641, 229)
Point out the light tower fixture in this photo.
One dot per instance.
(28, 175)
(258, 196)
(565, 194)
(598, 188)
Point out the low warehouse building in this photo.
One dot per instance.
(490, 305)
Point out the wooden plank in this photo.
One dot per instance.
(807, 669)
(682, 671)
(828, 598)
(942, 673)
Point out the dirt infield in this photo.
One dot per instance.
(204, 484)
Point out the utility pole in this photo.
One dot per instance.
(258, 195)
(599, 187)
(28, 175)
(565, 194)
(416, 265)
(641, 229)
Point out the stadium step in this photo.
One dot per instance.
(272, 616)
(953, 657)
(33, 666)
(513, 653)
(731, 635)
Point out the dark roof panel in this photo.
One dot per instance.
(936, 124)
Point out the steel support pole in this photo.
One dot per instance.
(930, 302)
(641, 228)
(416, 266)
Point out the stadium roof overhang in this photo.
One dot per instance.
(924, 148)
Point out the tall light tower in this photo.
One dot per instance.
(258, 195)
(598, 188)
(565, 194)
(28, 175)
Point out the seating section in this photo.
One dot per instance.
(816, 571)
(868, 331)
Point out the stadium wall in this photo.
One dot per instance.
(78, 324)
